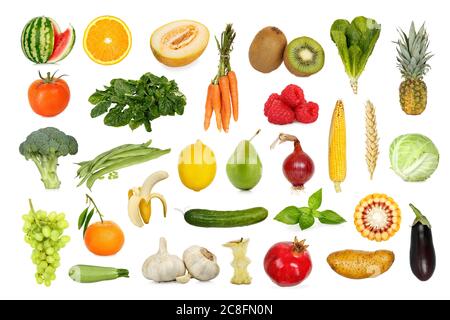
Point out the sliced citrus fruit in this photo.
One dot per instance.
(107, 40)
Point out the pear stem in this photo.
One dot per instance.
(254, 136)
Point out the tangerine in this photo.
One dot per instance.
(104, 238)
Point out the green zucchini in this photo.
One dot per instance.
(225, 219)
(90, 274)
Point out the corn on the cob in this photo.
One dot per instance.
(337, 150)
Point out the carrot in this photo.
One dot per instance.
(226, 103)
(217, 105)
(234, 94)
(208, 108)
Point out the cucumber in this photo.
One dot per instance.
(90, 274)
(225, 219)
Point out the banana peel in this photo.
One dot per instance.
(139, 200)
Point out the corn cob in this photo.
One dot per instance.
(377, 217)
(337, 160)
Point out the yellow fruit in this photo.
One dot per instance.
(107, 40)
(197, 166)
(179, 43)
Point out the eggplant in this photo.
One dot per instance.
(422, 257)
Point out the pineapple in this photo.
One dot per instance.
(413, 57)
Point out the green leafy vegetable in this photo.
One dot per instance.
(414, 157)
(290, 215)
(137, 102)
(306, 221)
(305, 217)
(355, 42)
(315, 201)
(330, 217)
(44, 147)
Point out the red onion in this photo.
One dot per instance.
(298, 168)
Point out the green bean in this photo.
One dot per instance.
(124, 163)
(91, 166)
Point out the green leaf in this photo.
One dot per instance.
(306, 221)
(317, 214)
(101, 108)
(315, 201)
(305, 210)
(289, 215)
(331, 217)
(88, 220)
(82, 218)
(97, 97)
(355, 42)
(122, 87)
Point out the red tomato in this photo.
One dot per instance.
(288, 263)
(49, 96)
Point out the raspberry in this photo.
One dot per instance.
(270, 101)
(307, 112)
(280, 113)
(293, 96)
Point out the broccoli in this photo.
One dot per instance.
(44, 147)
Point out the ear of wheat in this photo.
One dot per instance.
(372, 148)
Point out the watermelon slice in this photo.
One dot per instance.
(64, 42)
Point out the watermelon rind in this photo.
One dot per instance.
(38, 39)
(64, 53)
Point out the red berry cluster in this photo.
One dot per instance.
(290, 106)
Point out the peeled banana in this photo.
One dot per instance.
(139, 200)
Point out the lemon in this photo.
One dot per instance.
(197, 166)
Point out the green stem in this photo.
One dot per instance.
(91, 201)
(31, 206)
(420, 218)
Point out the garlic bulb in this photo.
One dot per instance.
(201, 263)
(163, 267)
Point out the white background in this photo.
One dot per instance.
(379, 82)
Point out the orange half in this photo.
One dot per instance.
(107, 40)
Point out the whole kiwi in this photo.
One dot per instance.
(267, 49)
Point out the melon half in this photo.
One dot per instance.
(179, 43)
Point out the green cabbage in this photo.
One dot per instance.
(414, 157)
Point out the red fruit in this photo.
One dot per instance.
(280, 113)
(288, 263)
(307, 112)
(293, 96)
(270, 101)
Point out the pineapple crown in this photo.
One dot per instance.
(413, 54)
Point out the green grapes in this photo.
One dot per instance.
(44, 233)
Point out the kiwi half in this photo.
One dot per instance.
(304, 57)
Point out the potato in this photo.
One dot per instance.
(355, 264)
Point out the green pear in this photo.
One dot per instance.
(244, 168)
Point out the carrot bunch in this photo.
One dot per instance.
(222, 97)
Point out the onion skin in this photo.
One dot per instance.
(298, 168)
